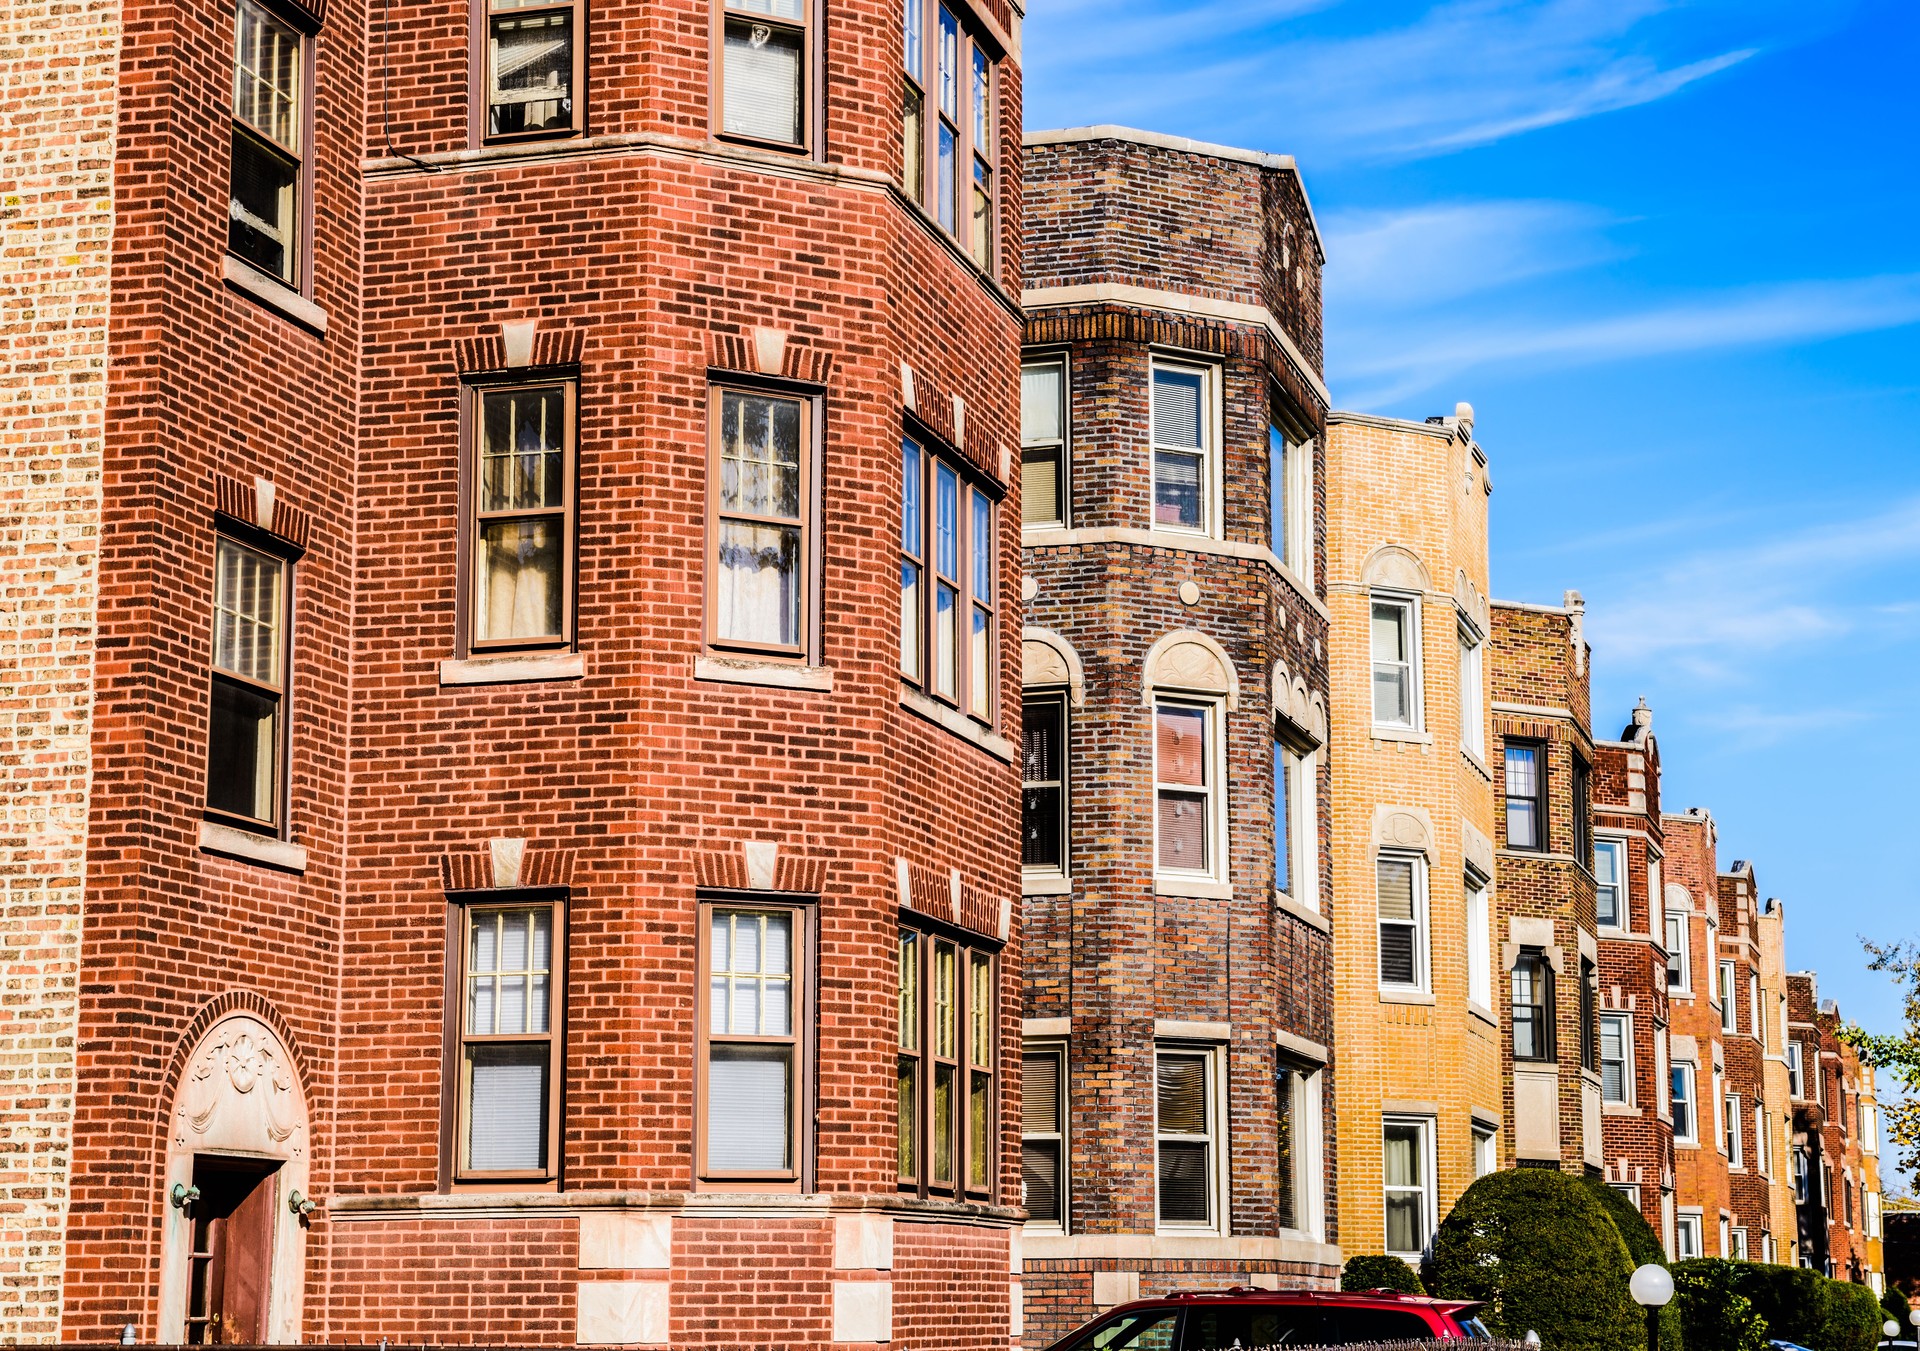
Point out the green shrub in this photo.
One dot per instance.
(1542, 1253)
(1376, 1272)
(1895, 1303)
(1850, 1318)
(1643, 1245)
(1714, 1315)
(1788, 1298)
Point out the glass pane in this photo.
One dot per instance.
(1180, 745)
(906, 1103)
(778, 9)
(1183, 1182)
(1040, 486)
(1277, 494)
(982, 103)
(981, 543)
(946, 640)
(1041, 387)
(946, 493)
(912, 22)
(949, 63)
(1392, 702)
(1282, 819)
(981, 683)
(910, 613)
(949, 178)
(1178, 403)
(980, 225)
(1182, 1094)
(946, 1003)
(1397, 962)
(909, 992)
(262, 206)
(530, 73)
(759, 583)
(507, 1107)
(522, 450)
(749, 1089)
(266, 74)
(519, 580)
(1040, 1092)
(1177, 489)
(1389, 633)
(1040, 828)
(763, 81)
(942, 1123)
(1396, 889)
(913, 142)
(1405, 1232)
(979, 1137)
(1404, 1164)
(243, 748)
(759, 455)
(1523, 830)
(980, 1009)
(247, 612)
(1522, 778)
(912, 481)
(1040, 1179)
(1183, 831)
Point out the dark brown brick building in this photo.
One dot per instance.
(1178, 1107)
(554, 705)
(1835, 1144)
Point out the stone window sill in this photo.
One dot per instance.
(1311, 918)
(1479, 765)
(1619, 1109)
(1483, 1013)
(1388, 996)
(959, 724)
(280, 298)
(243, 844)
(1414, 735)
(514, 670)
(1046, 884)
(1193, 888)
(776, 674)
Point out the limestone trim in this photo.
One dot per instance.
(1055, 537)
(959, 724)
(1394, 567)
(1149, 1247)
(1048, 661)
(1188, 661)
(1303, 710)
(1048, 1027)
(1174, 1029)
(244, 844)
(775, 674)
(1311, 918)
(460, 1206)
(1442, 431)
(283, 300)
(1531, 710)
(513, 670)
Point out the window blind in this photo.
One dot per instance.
(1039, 485)
(748, 1089)
(1177, 407)
(1040, 389)
(762, 81)
(507, 1122)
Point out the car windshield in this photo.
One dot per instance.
(1472, 1327)
(1141, 1330)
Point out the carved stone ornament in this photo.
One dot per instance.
(1040, 664)
(239, 1093)
(1190, 661)
(1048, 661)
(1403, 830)
(1396, 568)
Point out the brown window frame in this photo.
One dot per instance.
(484, 13)
(808, 28)
(969, 486)
(300, 260)
(972, 35)
(806, 649)
(1543, 1008)
(287, 557)
(1057, 702)
(1542, 769)
(1055, 1141)
(457, 1097)
(967, 1061)
(800, 1105)
(469, 560)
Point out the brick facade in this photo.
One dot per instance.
(1408, 522)
(1137, 246)
(1836, 1188)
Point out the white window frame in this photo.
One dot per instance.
(1309, 1162)
(1726, 1235)
(1214, 793)
(1730, 1132)
(1063, 446)
(1213, 1056)
(1486, 1149)
(1480, 943)
(1758, 1030)
(1422, 926)
(1869, 1126)
(1409, 605)
(1662, 1081)
(1728, 988)
(1428, 1193)
(1623, 911)
(1719, 1111)
(1473, 697)
(1762, 1141)
(1210, 433)
(1303, 826)
(1873, 1216)
(1684, 920)
(1064, 1122)
(1689, 1221)
(1625, 1021)
(1691, 1097)
(1796, 1070)
(1630, 1190)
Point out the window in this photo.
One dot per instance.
(1486, 1153)
(1726, 1237)
(1616, 1057)
(1402, 884)
(1582, 809)
(1183, 458)
(1473, 710)
(1297, 1104)
(1296, 825)
(1396, 663)
(1533, 1006)
(1719, 1101)
(958, 140)
(1762, 1140)
(763, 72)
(522, 524)
(1290, 501)
(761, 505)
(1756, 1019)
(1479, 944)
(1526, 796)
(948, 623)
(1682, 1103)
(536, 67)
(1043, 788)
(1408, 1142)
(246, 733)
(1729, 1006)
(1679, 963)
(264, 203)
(1184, 1132)
(1589, 1014)
(1730, 1129)
(1043, 442)
(1043, 1136)
(1686, 1236)
(752, 1075)
(1186, 788)
(948, 1028)
(1802, 1176)
(508, 1112)
(1796, 1073)
(1610, 893)
(1737, 1243)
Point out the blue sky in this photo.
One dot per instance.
(1671, 254)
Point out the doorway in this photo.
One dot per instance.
(230, 1265)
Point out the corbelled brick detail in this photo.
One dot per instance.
(241, 501)
(488, 352)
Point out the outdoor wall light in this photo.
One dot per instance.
(184, 1196)
(299, 1204)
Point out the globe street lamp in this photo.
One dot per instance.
(1890, 1329)
(1651, 1287)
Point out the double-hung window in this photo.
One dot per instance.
(1687, 1236)
(1185, 458)
(1296, 824)
(521, 500)
(948, 591)
(1479, 942)
(1616, 1057)
(1729, 1006)
(1395, 639)
(752, 1067)
(1533, 1006)
(1682, 1100)
(1486, 1150)
(1290, 502)
(1296, 1090)
(1589, 1015)
(947, 150)
(1043, 442)
(1526, 795)
(1730, 1128)
(1188, 804)
(1409, 1185)
(1610, 883)
(763, 71)
(1796, 1072)
(246, 714)
(507, 1116)
(1762, 1141)
(948, 1038)
(1401, 883)
(1679, 955)
(270, 120)
(1043, 788)
(536, 68)
(1737, 1243)
(1043, 1136)
(761, 523)
(1473, 708)
(1186, 1137)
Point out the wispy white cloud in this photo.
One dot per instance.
(1752, 727)
(1388, 263)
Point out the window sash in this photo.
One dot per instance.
(750, 610)
(946, 1097)
(1533, 1006)
(1185, 1128)
(1401, 912)
(726, 1097)
(1609, 874)
(1407, 1184)
(1730, 1127)
(1616, 1058)
(525, 612)
(539, 1046)
(1043, 1136)
(1394, 648)
(1681, 1099)
(1175, 799)
(1184, 469)
(751, 30)
(246, 702)
(1043, 442)
(567, 120)
(1729, 1008)
(1679, 963)
(1526, 795)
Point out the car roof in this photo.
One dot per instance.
(1362, 1299)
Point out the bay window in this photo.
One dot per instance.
(270, 119)
(949, 621)
(521, 500)
(246, 731)
(761, 504)
(763, 71)
(947, 150)
(752, 1076)
(507, 1113)
(536, 64)
(948, 1039)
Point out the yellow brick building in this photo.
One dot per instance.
(1417, 1038)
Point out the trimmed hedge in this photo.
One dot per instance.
(1851, 1318)
(1718, 1298)
(1644, 1246)
(1543, 1254)
(1379, 1272)
(1714, 1314)
(1897, 1308)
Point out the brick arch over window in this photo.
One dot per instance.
(1397, 568)
(221, 1005)
(1189, 661)
(1048, 661)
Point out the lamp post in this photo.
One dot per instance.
(1651, 1287)
(1913, 1317)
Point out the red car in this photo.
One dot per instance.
(1222, 1320)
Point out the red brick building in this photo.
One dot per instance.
(554, 704)
(1178, 1105)
(1835, 1193)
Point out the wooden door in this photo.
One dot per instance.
(229, 1270)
